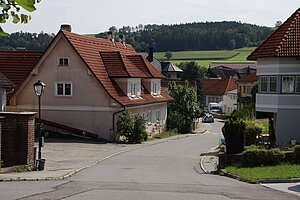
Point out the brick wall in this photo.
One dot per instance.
(17, 138)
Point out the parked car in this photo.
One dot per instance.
(208, 118)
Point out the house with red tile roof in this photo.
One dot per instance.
(245, 85)
(278, 69)
(221, 91)
(90, 82)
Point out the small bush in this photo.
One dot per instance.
(251, 131)
(297, 154)
(261, 157)
(233, 131)
(132, 128)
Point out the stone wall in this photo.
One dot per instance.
(17, 138)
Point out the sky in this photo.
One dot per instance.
(94, 16)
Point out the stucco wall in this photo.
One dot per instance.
(287, 126)
(230, 101)
(152, 127)
(277, 66)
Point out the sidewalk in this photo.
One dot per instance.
(66, 157)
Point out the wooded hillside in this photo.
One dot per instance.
(193, 36)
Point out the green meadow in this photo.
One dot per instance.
(203, 58)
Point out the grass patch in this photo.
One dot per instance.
(198, 55)
(257, 174)
(265, 125)
(23, 168)
(164, 134)
(203, 58)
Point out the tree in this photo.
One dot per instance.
(12, 8)
(183, 109)
(196, 74)
(168, 55)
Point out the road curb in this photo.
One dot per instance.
(69, 174)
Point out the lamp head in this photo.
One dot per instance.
(39, 88)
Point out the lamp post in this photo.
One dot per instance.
(39, 90)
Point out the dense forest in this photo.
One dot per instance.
(180, 37)
(193, 36)
(28, 41)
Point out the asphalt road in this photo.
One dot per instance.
(163, 171)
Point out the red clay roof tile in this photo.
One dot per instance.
(284, 42)
(145, 66)
(219, 86)
(251, 78)
(17, 65)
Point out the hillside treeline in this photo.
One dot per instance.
(24, 40)
(193, 36)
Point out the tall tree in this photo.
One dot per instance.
(183, 109)
(195, 74)
(15, 10)
(168, 55)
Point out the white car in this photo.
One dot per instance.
(208, 118)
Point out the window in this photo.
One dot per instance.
(158, 115)
(63, 89)
(244, 89)
(249, 88)
(155, 91)
(273, 84)
(287, 84)
(149, 117)
(133, 89)
(263, 84)
(63, 61)
(155, 87)
(297, 84)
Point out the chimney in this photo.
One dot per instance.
(122, 39)
(66, 27)
(150, 54)
(110, 36)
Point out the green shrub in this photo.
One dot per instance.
(261, 157)
(132, 128)
(252, 130)
(233, 131)
(297, 154)
(247, 113)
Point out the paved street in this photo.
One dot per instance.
(167, 170)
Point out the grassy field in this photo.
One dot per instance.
(257, 174)
(203, 58)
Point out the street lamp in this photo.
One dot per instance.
(39, 90)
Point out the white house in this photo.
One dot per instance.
(278, 68)
(222, 91)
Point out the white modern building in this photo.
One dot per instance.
(278, 68)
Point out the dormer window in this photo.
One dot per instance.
(155, 87)
(134, 88)
(63, 61)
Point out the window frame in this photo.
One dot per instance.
(295, 85)
(63, 62)
(276, 84)
(267, 84)
(293, 82)
(63, 83)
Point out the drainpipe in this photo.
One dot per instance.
(113, 119)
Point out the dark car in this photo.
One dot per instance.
(208, 118)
